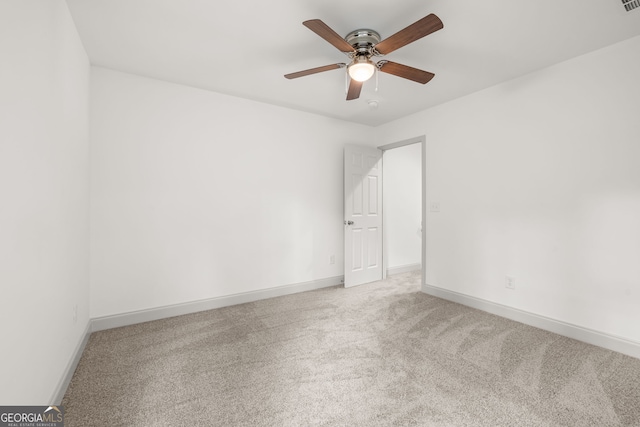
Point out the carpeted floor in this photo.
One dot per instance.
(382, 354)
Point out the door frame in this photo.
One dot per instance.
(422, 140)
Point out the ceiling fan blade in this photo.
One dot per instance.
(315, 70)
(413, 32)
(406, 72)
(354, 90)
(324, 31)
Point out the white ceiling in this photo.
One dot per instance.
(244, 48)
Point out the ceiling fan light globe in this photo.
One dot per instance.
(361, 71)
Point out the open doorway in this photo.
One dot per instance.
(404, 206)
(367, 253)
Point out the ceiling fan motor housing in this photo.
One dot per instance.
(363, 40)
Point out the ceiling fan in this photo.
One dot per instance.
(362, 45)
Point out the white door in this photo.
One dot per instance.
(362, 215)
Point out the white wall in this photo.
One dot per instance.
(402, 197)
(44, 220)
(539, 178)
(197, 195)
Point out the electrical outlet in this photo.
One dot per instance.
(434, 207)
(510, 282)
(332, 259)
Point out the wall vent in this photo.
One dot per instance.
(629, 5)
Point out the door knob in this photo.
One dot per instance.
(348, 223)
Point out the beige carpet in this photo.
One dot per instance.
(382, 354)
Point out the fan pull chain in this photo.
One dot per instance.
(377, 70)
(346, 82)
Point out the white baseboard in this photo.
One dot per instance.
(61, 389)
(600, 339)
(131, 318)
(403, 269)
